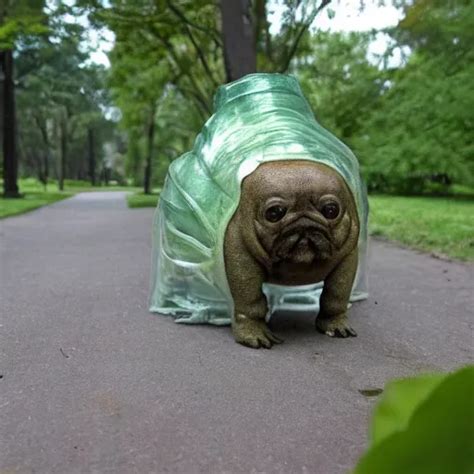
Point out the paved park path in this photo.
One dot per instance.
(93, 383)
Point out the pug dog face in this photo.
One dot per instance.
(301, 212)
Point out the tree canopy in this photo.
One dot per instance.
(420, 132)
(409, 121)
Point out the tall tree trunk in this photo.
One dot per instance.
(46, 169)
(106, 175)
(91, 147)
(149, 153)
(62, 152)
(44, 134)
(10, 156)
(240, 55)
(37, 159)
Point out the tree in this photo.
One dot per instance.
(175, 54)
(138, 83)
(18, 18)
(419, 137)
(240, 54)
(276, 52)
(60, 109)
(10, 164)
(341, 84)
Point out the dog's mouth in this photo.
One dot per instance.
(303, 245)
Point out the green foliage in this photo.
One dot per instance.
(33, 185)
(60, 98)
(59, 94)
(411, 125)
(279, 52)
(421, 129)
(139, 200)
(399, 402)
(19, 19)
(423, 425)
(168, 61)
(154, 78)
(341, 84)
(440, 225)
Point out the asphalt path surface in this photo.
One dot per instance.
(93, 383)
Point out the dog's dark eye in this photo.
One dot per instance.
(330, 210)
(275, 213)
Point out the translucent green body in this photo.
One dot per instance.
(259, 118)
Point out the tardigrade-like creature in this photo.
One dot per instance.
(266, 197)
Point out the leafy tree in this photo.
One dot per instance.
(339, 81)
(61, 101)
(419, 137)
(138, 85)
(276, 52)
(169, 57)
(19, 19)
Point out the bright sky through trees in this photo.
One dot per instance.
(348, 16)
(394, 84)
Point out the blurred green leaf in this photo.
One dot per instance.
(425, 428)
(401, 398)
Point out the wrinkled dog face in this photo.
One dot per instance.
(300, 210)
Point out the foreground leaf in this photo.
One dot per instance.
(438, 436)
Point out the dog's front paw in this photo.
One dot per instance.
(253, 333)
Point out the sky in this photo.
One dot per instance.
(347, 17)
(102, 42)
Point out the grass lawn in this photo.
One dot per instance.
(142, 200)
(35, 195)
(14, 206)
(439, 225)
(70, 185)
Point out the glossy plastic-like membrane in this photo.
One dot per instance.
(259, 118)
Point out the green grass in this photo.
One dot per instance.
(30, 201)
(142, 200)
(70, 185)
(439, 225)
(35, 195)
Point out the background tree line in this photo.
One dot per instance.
(411, 124)
(53, 100)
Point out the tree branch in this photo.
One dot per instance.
(204, 110)
(197, 91)
(260, 16)
(42, 128)
(201, 55)
(198, 49)
(304, 28)
(215, 34)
